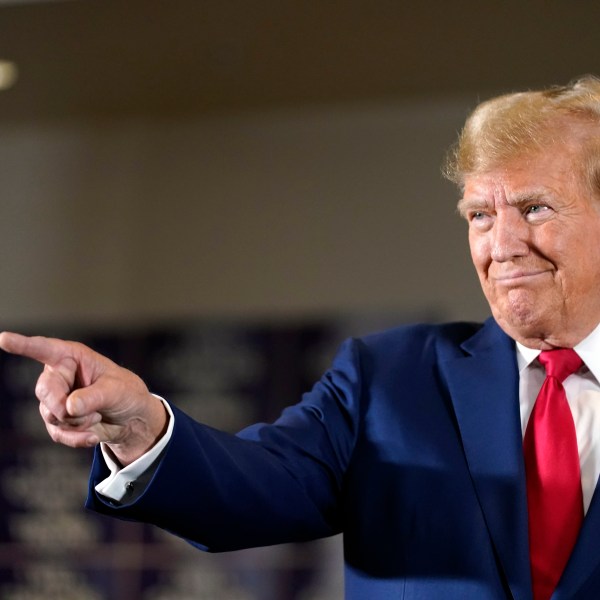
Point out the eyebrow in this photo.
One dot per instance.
(465, 205)
(526, 197)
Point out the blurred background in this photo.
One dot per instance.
(215, 193)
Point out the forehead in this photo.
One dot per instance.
(548, 174)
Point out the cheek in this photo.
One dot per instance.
(479, 255)
(586, 272)
(578, 267)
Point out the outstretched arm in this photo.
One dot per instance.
(85, 398)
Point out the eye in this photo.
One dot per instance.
(477, 215)
(479, 220)
(537, 211)
(535, 208)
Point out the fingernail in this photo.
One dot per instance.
(92, 441)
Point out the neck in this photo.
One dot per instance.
(547, 340)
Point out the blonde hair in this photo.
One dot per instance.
(520, 124)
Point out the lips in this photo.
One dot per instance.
(520, 276)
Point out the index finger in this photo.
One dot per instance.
(48, 351)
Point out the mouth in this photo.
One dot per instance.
(519, 277)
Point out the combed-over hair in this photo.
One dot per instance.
(520, 124)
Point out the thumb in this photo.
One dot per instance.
(114, 394)
(77, 404)
(95, 398)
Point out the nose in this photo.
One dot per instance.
(510, 235)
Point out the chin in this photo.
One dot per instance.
(523, 322)
(522, 308)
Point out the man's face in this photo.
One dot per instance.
(534, 234)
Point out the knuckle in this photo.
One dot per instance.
(47, 415)
(59, 436)
(52, 406)
(54, 433)
(41, 389)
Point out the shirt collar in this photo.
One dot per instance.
(588, 350)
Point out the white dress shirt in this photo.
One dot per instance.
(583, 395)
(121, 480)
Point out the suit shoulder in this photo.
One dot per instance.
(421, 334)
(412, 346)
(410, 349)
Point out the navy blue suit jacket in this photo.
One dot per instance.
(410, 445)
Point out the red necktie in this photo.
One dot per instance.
(554, 497)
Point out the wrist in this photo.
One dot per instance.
(142, 433)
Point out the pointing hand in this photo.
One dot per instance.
(85, 398)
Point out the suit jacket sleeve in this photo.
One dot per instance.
(268, 484)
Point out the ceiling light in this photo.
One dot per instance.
(8, 74)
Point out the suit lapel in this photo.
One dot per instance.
(483, 385)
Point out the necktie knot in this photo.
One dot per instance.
(560, 363)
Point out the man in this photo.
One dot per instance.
(421, 444)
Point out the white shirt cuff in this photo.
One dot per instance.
(121, 479)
